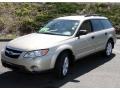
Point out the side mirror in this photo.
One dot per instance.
(82, 32)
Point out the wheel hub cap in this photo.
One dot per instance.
(109, 49)
(65, 66)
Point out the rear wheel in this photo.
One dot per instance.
(62, 65)
(108, 49)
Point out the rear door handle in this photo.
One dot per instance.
(93, 37)
(106, 33)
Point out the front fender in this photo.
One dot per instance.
(57, 52)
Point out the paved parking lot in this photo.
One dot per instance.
(92, 71)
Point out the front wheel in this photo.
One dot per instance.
(62, 65)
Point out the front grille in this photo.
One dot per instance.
(12, 53)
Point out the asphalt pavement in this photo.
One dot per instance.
(92, 71)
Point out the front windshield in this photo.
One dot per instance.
(60, 27)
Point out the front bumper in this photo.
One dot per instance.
(13, 66)
(37, 64)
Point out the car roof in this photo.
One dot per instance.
(82, 17)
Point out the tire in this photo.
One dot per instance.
(62, 65)
(108, 49)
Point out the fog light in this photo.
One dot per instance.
(34, 68)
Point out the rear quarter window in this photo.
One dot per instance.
(106, 23)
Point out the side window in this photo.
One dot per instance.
(86, 25)
(97, 25)
(106, 23)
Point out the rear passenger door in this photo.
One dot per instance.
(99, 33)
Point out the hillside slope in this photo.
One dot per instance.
(22, 18)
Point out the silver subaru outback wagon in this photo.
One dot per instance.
(59, 43)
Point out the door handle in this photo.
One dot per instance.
(93, 37)
(106, 33)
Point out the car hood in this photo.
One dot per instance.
(36, 41)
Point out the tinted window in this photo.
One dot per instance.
(106, 23)
(86, 26)
(97, 25)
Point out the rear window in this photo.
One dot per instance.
(106, 24)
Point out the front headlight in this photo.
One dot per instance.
(36, 53)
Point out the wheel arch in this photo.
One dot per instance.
(61, 50)
(112, 40)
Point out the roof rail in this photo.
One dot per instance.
(87, 15)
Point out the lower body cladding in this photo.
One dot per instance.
(37, 64)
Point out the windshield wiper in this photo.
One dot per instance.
(52, 33)
(48, 33)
